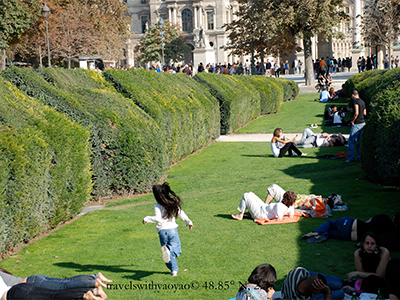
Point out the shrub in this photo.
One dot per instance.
(239, 102)
(271, 93)
(380, 143)
(290, 89)
(127, 153)
(187, 114)
(45, 167)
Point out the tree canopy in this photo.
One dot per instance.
(380, 22)
(283, 23)
(90, 27)
(149, 48)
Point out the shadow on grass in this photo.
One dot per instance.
(107, 269)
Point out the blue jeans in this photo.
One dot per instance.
(337, 229)
(170, 239)
(355, 139)
(334, 283)
(80, 281)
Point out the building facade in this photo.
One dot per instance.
(202, 24)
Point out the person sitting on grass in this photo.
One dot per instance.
(309, 139)
(280, 146)
(262, 210)
(371, 261)
(392, 278)
(260, 283)
(324, 95)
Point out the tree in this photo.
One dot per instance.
(380, 23)
(255, 21)
(149, 47)
(306, 18)
(91, 27)
(285, 21)
(16, 16)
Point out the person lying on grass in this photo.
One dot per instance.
(28, 291)
(263, 210)
(309, 139)
(351, 229)
(80, 281)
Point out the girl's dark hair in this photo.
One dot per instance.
(264, 276)
(370, 262)
(276, 131)
(289, 198)
(168, 199)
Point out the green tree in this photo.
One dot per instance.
(255, 20)
(16, 16)
(277, 24)
(149, 48)
(380, 23)
(304, 19)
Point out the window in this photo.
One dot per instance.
(144, 20)
(210, 20)
(187, 20)
(143, 1)
(164, 16)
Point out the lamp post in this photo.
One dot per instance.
(161, 23)
(46, 15)
(252, 63)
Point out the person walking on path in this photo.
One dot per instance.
(357, 126)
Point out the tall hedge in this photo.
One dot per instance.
(44, 167)
(381, 139)
(380, 142)
(187, 114)
(239, 101)
(127, 153)
(271, 93)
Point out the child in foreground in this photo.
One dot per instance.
(167, 208)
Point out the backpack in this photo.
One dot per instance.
(251, 293)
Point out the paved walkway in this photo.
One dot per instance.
(338, 80)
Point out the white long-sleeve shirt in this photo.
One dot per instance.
(278, 211)
(163, 222)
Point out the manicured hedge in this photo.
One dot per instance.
(380, 142)
(239, 101)
(128, 154)
(44, 167)
(187, 114)
(381, 139)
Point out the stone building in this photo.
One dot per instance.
(202, 20)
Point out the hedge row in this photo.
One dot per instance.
(380, 142)
(243, 98)
(186, 113)
(45, 173)
(69, 130)
(127, 153)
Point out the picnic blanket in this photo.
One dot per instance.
(296, 217)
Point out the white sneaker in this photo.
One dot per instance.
(165, 254)
(174, 273)
(304, 154)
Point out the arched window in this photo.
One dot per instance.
(187, 20)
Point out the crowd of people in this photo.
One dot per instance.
(375, 271)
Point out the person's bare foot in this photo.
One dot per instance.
(90, 296)
(98, 291)
(237, 217)
(103, 278)
(100, 283)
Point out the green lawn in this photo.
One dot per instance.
(294, 116)
(219, 252)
